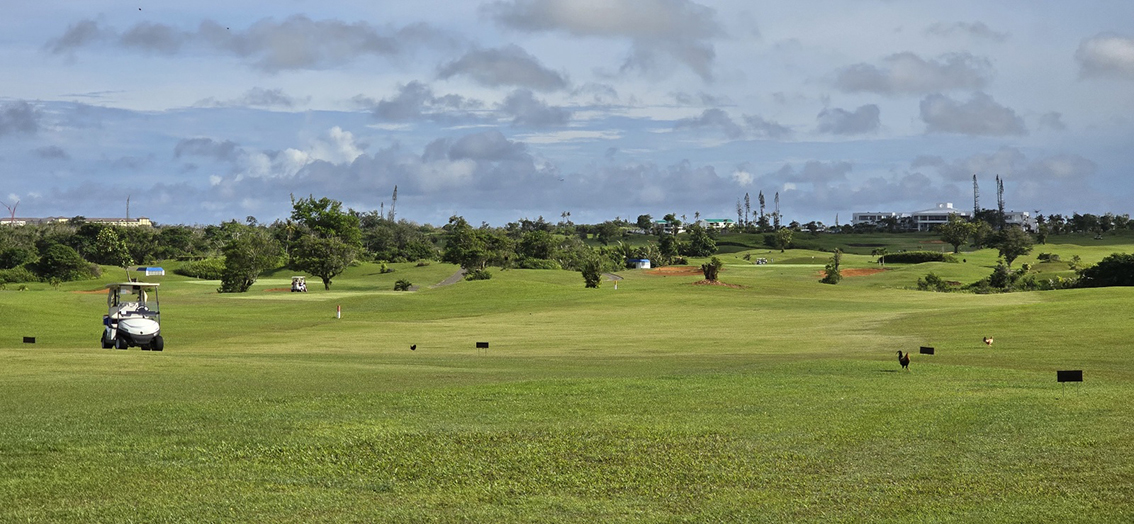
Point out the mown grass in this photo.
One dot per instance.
(658, 401)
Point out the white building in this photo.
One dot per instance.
(930, 218)
(872, 218)
(715, 223)
(1020, 218)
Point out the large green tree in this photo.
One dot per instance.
(1012, 242)
(62, 262)
(700, 243)
(329, 240)
(956, 231)
(247, 254)
(325, 258)
(783, 238)
(112, 250)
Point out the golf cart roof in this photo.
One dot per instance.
(132, 284)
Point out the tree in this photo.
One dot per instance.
(832, 274)
(326, 218)
(592, 271)
(700, 243)
(956, 231)
(62, 262)
(465, 246)
(982, 234)
(645, 223)
(246, 255)
(607, 232)
(112, 250)
(325, 258)
(711, 269)
(879, 252)
(673, 222)
(1013, 242)
(783, 238)
(537, 244)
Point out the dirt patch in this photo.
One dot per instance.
(854, 272)
(676, 271)
(716, 283)
(91, 292)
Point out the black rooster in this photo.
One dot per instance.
(904, 360)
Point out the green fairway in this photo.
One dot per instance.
(779, 399)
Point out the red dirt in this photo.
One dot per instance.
(91, 292)
(855, 272)
(716, 283)
(677, 271)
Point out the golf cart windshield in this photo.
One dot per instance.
(131, 299)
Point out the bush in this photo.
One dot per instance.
(422, 263)
(208, 269)
(1047, 257)
(917, 257)
(1116, 269)
(384, 268)
(538, 263)
(712, 269)
(478, 274)
(17, 274)
(14, 257)
(932, 282)
(64, 263)
(402, 285)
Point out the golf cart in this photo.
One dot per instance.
(298, 285)
(132, 317)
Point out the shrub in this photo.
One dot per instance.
(18, 274)
(14, 257)
(207, 269)
(712, 269)
(1047, 257)
(917, 257)
(478, 274)
(932, 282)
(384, 268)
(422, 263)
(538, 263)
(402, 285)
(63, 262)
(1116, 269)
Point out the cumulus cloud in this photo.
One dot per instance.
(1106, 55)
(526, 110)
(766, 128)
(842, 122)
(297, 42)
(712, 118)
(969, 29)
(416, 101)
(19, 118)
(256, 97)
(981, 115)
(506, 66)
(679, 30)
(907, 73)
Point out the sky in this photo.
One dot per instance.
(207, 111)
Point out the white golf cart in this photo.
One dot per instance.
(298, 285)
(133, 317)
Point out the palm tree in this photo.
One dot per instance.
(881, 254)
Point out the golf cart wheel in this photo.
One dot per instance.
(120, 343)
(158, 344)
(106, 344)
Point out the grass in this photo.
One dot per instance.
(658, 401)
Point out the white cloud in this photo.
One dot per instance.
(980, 115)
(1106, 55)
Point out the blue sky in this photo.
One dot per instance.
(510, 109)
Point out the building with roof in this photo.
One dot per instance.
(928, 219)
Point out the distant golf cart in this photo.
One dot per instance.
(132, 317)
(298, 284)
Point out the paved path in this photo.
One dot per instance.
(612, 276)
(456, 277)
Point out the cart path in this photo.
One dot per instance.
(612, 276)
(456, 277)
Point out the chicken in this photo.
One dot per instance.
(988, 341)
(904, 360)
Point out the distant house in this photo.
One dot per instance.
(120, 222)
(871, 217)
(667, 228)
(1020, 218)
(930, 218)
(639, 263)
(715, 223)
